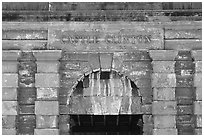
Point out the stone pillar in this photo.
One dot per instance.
(27, 68)
(185, 92)
(163, 84)
(197, 55)
(47, 84)
(9, 91)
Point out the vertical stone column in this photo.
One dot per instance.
(47, 84)
(197, 55)
(185, 92)
(9, 91)
(26, 93)
(164, 83)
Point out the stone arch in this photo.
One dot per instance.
(121, 95)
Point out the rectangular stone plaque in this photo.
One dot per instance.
(104, 36)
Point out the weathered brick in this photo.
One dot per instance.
(185, 129)
(184, 55)
(184, 100)
(46, 132)
(26, 95)
(9, 107)
(198, 66)
(164, 107)
(46, 80)
(9, 80)
(198, 131)
(47, 66)
(94, 61)
(184, 109)
(181, 65)
(163, 54)
(198, 80)
(185, 92)
(186, 119)
(106, 61)
(10, 131)
(9, 94)
(26, 109)
(46, 107)
(183, 33)
(163, 80)
(164, 93)
(136, 56)
(8, 121)
(196, 54)
(47, 93)
(198, 93)
(26, 124)
(46, 121)
(184, 81)
(198, 121)
(183, 44)
(9, 66)
(10, 55)
(163, 66)
(170, 131)
(198, 107)
(164, 121)
(47, 54)
(147, 109)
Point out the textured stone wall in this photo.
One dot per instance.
(43, 62)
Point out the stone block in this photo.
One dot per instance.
(63, 110)
(148, 129)
(145, 92)
(26, 124)
(142, 83)
(198, 66)
(184, 55)
(183, 65)
(147, 109)
(46, 107)
(185, 129)
(47, 93)
(136, 56)
(198, 80)
(170, 131)
(46, 80)
(185, 119)
(47, 66)
(164, 107)
(198, 107)
(9, 94)
(26, 109)
(46, 132)
(9, 107)
(163, 80)
(164, 121)
(46, 121)
(184, 81)
(183, 34)
(9, 80)
(26, 95)
(199, 121)
(94, 61)
(8, 121)
(185, 92)
(10, 131)
(106, 61)
(163, 54)
(10, 55)
(196, 54)
(134, 74)
(117, 60)
(47, 54)
(164, 93)
(9, 66)
(64, 126)
(138, 66)
(198, 131)
(198, 93)
(163, 66)
(147, 119)
(184, 109)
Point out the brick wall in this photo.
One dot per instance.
(42, 66)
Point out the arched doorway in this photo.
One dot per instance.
(105, 102)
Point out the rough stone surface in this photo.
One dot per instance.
(183, 44)
(106, 61)
(164, 93)
(172, 131)
(163, 66)
(47, 66)
(26, 109)
(46, 121)
(9, 67)
(163, 54)
(163, 80)
(10, 55)
(46, 80)
(10, 131)
(148, 129)
(164, 107)
(196, 54)
(26, 96)
(198, 93)
(47, 54)
(184, 109)
(198, 80)
(198, 66)
(9, 107)
(46, 132)
(164, 121)
(198, 131)
(46, 107)
(9, 94)
(47, 93)
(8, 121)
(9, 80)
(198, 121)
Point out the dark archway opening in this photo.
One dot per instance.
(106, 125)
